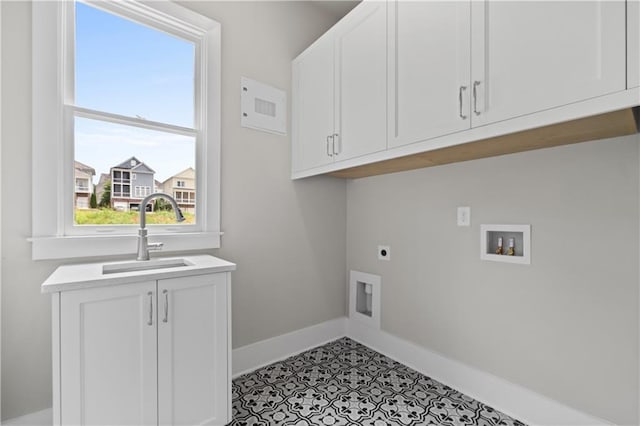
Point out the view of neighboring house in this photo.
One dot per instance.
(182, 187)
(102, 181)
(131, 181)
(83, 178)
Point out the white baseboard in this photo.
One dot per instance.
(256, 355)
(513, 400)
(39, 418)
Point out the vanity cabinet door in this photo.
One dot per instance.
(193, 341)
(528, 56)
(108, 350)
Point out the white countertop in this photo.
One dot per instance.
(87, 275)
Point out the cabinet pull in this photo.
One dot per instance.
(475, 97)
(329, 153)
(336, 137)
(166, 305)
(462, 89)
(150, 294)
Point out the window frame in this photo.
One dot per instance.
(53, 234)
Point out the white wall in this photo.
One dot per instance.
(567, 325)
(286, 237)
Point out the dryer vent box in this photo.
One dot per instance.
(263, 107)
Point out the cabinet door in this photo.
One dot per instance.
(429, 69)
(193, 376)
(108, 355)
(633, 43)
(313, 104)
(534, 55)
(361, 72)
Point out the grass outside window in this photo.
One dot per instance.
(112, 217)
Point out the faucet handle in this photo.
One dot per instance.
(155, 246)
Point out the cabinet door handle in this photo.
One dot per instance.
(166, 305)
(150, 294)
(475, 97)
(330, 152)
(462, 89)
(336, 137)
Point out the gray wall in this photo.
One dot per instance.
(567, 325)
(287, 237)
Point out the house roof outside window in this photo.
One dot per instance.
(134, 164)
(82, 170)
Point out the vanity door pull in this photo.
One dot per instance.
(336, 137)
(462, 89)
(150, 294)
(166, 305)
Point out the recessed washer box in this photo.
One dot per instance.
(364, 298)
(489, 242)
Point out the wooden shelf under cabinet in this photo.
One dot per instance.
(602, 126)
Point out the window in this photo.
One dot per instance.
(139, 96)
(82, 185)
(185, 197)
(180, 184)
(142, 191)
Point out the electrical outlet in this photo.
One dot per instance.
(384, 253)
(464, 216)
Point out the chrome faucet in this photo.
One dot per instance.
(143, 244)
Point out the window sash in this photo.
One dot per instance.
(52, 236)
(139, 14)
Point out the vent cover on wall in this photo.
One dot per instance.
(263, 107)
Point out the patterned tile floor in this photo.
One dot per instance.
(346, 383)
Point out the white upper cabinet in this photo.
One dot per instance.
(340, 91)
(399, 79)
(108, 356)
(361, 76)
(633, 43)
(536, 55)
(313, 106)
(192, 351)
(429, 69)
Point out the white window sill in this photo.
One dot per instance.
(112, 245)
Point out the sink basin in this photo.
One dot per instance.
(146, 265)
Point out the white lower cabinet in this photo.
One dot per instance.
(148, 353)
